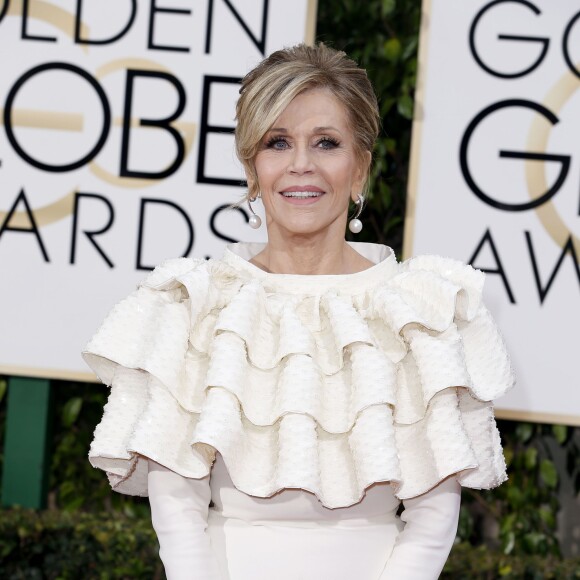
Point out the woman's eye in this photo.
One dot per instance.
(327, 143)
(277, 143)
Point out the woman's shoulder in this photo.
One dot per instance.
(441, 282)
(446, 267)
(171, 269)
(192, 276)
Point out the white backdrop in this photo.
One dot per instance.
(495, 179)
(116, 153)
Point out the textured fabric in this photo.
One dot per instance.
(179, 512)
(422, 548)
(292, 536)
(324, 383)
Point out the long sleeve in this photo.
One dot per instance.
(424, 544)
(179, 510)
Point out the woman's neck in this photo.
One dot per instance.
(307, 255)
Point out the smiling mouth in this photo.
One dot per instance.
(302, 194)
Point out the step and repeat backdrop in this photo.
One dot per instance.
(495, 179)
(116, 152)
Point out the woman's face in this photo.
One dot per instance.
(307, 167)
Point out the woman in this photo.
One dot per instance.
(304, 387)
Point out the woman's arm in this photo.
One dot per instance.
(424, 544)
(179, 509)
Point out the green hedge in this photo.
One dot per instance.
(70, 545)
(469, 563)
(382, 36)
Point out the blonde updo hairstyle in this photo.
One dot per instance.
(268, 89)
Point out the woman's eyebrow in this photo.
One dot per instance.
(325, 129)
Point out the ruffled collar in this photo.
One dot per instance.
(237, 255)
(326, 383)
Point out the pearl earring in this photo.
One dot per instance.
(255, 220)
(355, 225)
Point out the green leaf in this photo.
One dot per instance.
(74, 504)
(405, 106)
(465, 524)
(67, 488)
(509, 544)
(410, 48)
(524, 432)
(391, 145)
(3, 387)
(560, 432)
(533, 541)
(508, 454)
(507, 523)
(548, 473)
(386, 105)
(515, 496)
(547, 516)
(387, 6)
(392, 49)
(71, 411)
(531, 458)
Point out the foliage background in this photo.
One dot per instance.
(511, 532)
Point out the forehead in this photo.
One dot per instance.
(317, 107)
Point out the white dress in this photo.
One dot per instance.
(305, 408)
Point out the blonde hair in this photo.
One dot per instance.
(268, 89)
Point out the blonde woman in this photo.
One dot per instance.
(282, 404)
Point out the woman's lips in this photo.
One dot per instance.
(303, 200)
(302, 189)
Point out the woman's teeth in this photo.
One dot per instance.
(301, 193)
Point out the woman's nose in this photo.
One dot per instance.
(301, 160)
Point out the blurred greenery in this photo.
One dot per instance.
(511, 532)
(73, 483)
(467, 562)
(95, 533)
(3, 391)
(63, 545)
(69, 545)
(382, 36)
(522, 512)
(76, 485)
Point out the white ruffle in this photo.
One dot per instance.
(328, 388)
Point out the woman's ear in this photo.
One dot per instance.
(250, 180)
(362, 172)
(250, 183)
